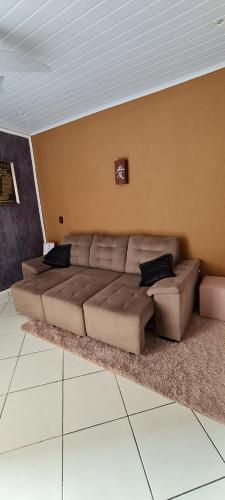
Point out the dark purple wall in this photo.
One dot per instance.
(20, 227)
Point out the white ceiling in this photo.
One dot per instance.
(102, 52)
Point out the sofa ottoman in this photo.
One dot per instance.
(63, 304)
(212, 297)
(118, 314)
(27, 294)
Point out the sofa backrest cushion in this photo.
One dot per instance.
(144, 248)
(109, 252)
(80, 248)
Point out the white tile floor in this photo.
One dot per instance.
(72, 431)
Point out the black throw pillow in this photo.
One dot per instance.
(59, 256)
(157, 269)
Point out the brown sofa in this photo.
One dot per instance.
(99, 296)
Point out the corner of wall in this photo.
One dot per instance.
(37, 189)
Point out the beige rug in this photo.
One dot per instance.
(191, 372)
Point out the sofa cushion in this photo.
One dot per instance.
(34, 266)
(108, 252)
(118, 314)
(80, 249)
(63, 304)
(156, 270)
(27, 294)
(144, 248)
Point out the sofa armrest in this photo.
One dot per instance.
(33, 267)
(185, 271)
(174, 300)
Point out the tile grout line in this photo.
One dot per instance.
(94, 425)
(140, 457)
(4, 307)
(51, 382)
(136, 444)
(26, 353)
(14, 332)
(60, 436)
(202, 426)
(14, 315)
(11, 450)
(197, 488)
(37, 352)
(12, 376)
(74, 378)
(11, 333)
(16, 363)
(62, 423)
(150, 409)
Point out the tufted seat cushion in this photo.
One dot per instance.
(144, 248)
(27, 294)
(108, 252)
(118, 314)
(63, 304)
(80, 248)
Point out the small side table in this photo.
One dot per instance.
(212, 297)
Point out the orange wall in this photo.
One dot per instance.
(175, 143)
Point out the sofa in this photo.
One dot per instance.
(98, 295)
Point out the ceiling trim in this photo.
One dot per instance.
(178, 81)
(13, 132)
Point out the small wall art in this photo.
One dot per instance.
(121, 171)
(8, 186)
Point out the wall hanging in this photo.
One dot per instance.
(8, 186)
(121, 171)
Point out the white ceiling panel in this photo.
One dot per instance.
(101, 53)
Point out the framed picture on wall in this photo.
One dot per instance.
(8, 186)
(121, 171)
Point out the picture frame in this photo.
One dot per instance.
(8, 185)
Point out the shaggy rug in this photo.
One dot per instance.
(191, 372)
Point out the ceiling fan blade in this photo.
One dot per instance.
(10, 61)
